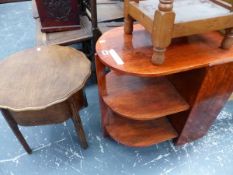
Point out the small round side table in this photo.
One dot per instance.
(43, 86)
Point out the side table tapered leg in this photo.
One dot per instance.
(78, 124)
(14, 127)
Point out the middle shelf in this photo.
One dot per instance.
(142, 98)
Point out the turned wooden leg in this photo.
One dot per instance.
(14, 127)
(158, 55)
(128, 21)
(228, 39)
(78, 124)
(162, 30)
(128, 25)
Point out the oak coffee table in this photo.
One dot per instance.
(42, 86)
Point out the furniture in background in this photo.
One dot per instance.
(87, 33)
(44, 85)
(187, 18)
(143, 104)
(89, 9)
(58, 15)
(115, 17)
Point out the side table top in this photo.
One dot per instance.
(37, 78)
(132, 53)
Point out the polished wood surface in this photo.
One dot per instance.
(40, 77)
(142, 98)
(139, 133)
(100, 75)
(135, 51)
(200, 73)
(126, 130)
(214, 92)
(167, 19)
(187, 85)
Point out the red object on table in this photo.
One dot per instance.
(58, 15)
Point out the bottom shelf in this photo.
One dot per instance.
(139, 133)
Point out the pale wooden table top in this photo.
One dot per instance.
(37, 78)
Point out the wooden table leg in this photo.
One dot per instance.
(14, 127)
(128, 20)
(100, 74)
(164, 19)
(78, 124)
(228, 39)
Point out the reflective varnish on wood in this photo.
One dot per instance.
(185, 94)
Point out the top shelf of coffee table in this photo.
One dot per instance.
(132, 53)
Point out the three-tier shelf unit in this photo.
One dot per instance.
(143, 104)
